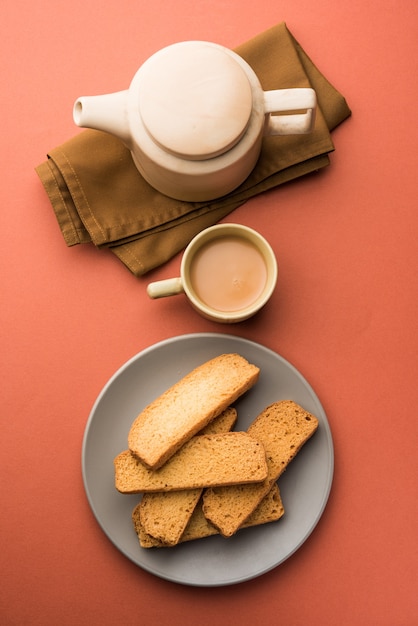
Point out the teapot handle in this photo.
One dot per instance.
(287, 101)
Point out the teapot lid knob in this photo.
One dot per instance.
(195, 100)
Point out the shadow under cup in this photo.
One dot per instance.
(229, 272)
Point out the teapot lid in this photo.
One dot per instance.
(195, 100)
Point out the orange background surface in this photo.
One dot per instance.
(344, 313)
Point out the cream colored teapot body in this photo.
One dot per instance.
(194, 118)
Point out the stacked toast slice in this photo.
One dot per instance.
(199, 477)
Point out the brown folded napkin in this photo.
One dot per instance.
(99, 196)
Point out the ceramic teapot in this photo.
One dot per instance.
(194, 118)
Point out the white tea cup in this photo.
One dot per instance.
(228, 272)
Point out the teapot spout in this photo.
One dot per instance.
(107, 113)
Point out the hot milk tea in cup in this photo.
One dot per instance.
(228, 272)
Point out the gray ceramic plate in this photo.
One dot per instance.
(213, 561)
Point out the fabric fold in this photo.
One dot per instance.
(98, 195)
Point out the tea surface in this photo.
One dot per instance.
(228, 274)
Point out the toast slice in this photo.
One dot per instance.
(270, 509)
(206, 460)
(166, 515)
(188, 406)
(283, 428)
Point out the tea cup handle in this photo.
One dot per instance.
(163, 288)
(287, 100)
